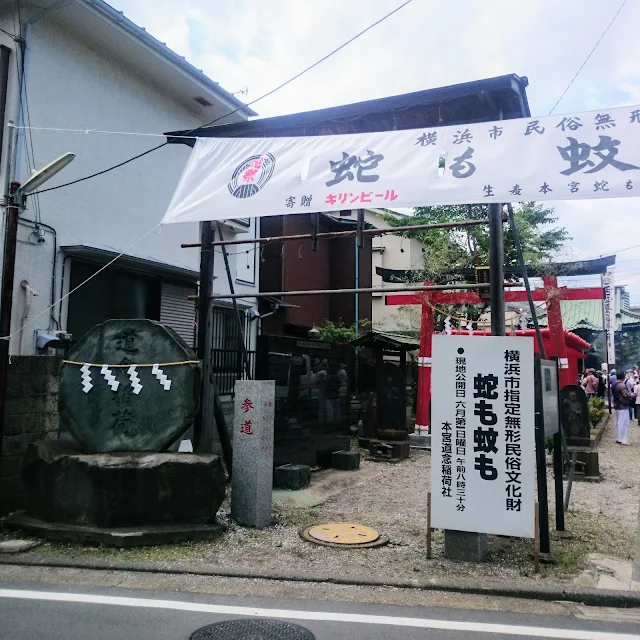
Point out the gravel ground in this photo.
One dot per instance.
(616, 497)
(392, 499)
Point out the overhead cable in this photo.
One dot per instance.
(244, 106)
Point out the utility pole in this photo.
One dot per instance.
(201, 433)
(14, 200)
(210, 406)
(6, 297)
(8, 271)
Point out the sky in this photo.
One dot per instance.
(257, 44)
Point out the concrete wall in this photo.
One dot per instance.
(74, 84)
(32, 415)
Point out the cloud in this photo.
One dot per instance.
(257, 44)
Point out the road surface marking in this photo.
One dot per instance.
(323, 616)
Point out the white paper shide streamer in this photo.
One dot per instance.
(109, 377)
(86, 378)
(135, 380)
(136, 385)
(162, 378)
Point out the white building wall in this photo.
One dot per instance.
(392, 252)
(70, 85)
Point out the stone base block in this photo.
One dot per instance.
(64, 485)
(465, 545)
(389, 450)
(292, 476)
(364, 443)
(346, 460)
(591, 463)
(393, 434)
(417, 441)
(114, 536)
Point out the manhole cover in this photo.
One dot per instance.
(343, 533)
(252, 630)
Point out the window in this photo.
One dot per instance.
(226, 351)
(109, 295)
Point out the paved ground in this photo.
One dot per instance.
(74, 603)
(52, 613)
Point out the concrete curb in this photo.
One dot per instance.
(593, 597)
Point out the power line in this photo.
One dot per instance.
(595, 46)
(110, 132)
(610, 253)
(244, 106)
(13, 36)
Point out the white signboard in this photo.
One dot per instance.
(482, 435)
(586, 155)
(549, 371)
(609, 313)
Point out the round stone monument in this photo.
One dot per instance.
(129, 385)
(128, 390)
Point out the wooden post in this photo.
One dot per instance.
(536, 540)
(556, 328)
(429, 525)
(423, 401)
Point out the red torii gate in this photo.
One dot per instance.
(550, 293)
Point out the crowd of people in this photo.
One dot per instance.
(625, 396)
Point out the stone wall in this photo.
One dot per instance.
(31, 415)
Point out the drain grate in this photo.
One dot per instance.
(252, 630)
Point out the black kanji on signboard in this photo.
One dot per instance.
(343, 168)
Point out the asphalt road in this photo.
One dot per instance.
(82, 613)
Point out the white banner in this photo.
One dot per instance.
(609, 314)
(482, 435)
(587, 155)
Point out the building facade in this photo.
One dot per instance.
(294, 266)
(392, 252)
(72, 72)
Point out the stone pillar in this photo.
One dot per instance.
(252, 480)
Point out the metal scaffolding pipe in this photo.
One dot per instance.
(343, 234)
(318, 292)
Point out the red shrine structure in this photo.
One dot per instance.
(564, 345)
(575, 346)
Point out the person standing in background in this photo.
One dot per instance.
(621, 402)
(636, 390)
(602, 384)
(590, 384)
(630, 382)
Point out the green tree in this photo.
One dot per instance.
(449, 252)
(627, 348)
(340, 333)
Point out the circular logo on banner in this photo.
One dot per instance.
(251, 175)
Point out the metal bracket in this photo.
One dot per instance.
(360, 228)
(314, 231)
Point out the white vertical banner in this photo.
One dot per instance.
(482, 435)
(609, 313)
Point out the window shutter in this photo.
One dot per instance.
(177, 311)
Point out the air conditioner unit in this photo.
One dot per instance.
(238, 225)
